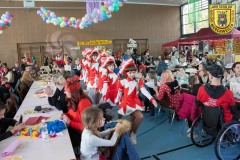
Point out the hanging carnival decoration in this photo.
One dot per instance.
(5, 21)
(96, 12)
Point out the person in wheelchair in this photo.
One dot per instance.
(215, 94)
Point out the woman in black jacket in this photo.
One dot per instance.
(6, 122)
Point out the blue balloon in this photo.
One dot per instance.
(44, 19)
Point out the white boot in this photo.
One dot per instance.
(133, 138)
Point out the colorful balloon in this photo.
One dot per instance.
(5, 21)
(94, 17)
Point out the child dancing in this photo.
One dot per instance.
(131, 104)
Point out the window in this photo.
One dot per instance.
(193, 22)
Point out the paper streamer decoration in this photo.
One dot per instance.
(93, 16)
(11, 148)
(5, 21)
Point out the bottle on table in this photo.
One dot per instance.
(44, 130)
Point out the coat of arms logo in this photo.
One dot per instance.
(222, 18)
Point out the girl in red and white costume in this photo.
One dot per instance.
(110, 82)
(92, 85)
(102, 71)
(58, 59)
(85, 64)
(131, 104)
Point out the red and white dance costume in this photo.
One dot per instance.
(110, 83)
(102, 71)
(85, 64)
(58, 59)
(130, 88)
(92, 85)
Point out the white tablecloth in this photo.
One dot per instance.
(59, 148)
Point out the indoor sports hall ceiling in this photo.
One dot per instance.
(152, 2)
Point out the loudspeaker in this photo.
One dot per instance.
(29, 3)
(201, 46)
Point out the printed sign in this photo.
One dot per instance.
(94, 42)
(132, 43)
(222, 18)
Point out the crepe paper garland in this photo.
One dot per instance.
(54, 127)
(97, 15)
(28, 132)
(5, 21)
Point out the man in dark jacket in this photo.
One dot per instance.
(160, 66)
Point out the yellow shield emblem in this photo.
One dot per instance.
(222, 18)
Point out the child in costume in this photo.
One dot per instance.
(84, 63)
(102, 70)
(110, 82)
(131, 104)
(58, 59)
(92, 85)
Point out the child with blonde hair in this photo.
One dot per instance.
(93, 119)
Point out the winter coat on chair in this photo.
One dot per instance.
(188, 109)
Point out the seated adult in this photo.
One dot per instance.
(8, 77)
(194, 85)
(160, 66)
(215, 94)
(6, 122)
(170, 87)
(58, 99)
(174, 62)
(77, 102)
(202, 73)
(28, 78)
(235, 77)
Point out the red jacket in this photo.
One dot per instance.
(76, 117)
(226, 100)
(188, 109)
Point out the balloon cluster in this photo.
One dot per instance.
(5, 21)
(96, 16)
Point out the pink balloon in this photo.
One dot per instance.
(108, 12)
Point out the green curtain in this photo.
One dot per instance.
(194, 8)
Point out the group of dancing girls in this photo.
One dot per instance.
(98, 76)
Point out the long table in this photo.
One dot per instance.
(58, 148)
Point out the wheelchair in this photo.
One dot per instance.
(210, 126)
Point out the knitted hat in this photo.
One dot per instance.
(215, 70)
(72, 84)
(109, 59)
(86, 51)
(126, 64)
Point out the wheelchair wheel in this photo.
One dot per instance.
(227, 146)
(198, 135)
